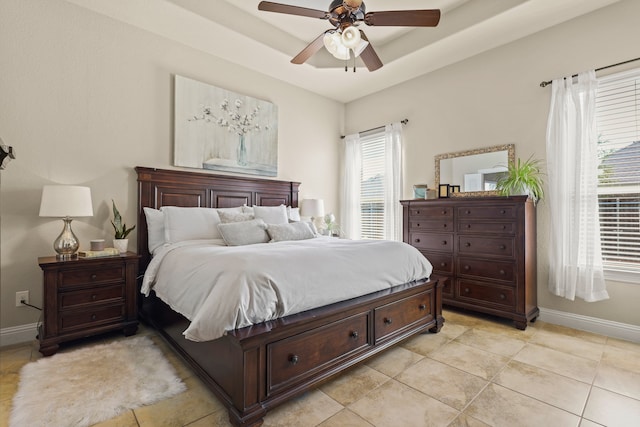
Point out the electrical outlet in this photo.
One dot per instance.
(20, 297)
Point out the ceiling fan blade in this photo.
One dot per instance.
(310, 50)
(404, 18)
(369, 55)
(292, 10)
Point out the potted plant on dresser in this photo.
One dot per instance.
(522, 178)
(120, 240)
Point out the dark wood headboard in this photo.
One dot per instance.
(163, 187)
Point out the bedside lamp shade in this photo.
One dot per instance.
(313, 208)
(66, 201)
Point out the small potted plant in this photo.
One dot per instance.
(120, 240)
(522, 178)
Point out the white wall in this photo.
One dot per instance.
(84, 99)
(495, 98)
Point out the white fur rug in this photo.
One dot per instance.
(93, 384)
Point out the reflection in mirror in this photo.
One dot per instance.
(475, 171)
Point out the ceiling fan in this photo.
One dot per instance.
(344, 38)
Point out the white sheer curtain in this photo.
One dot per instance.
(393, 181)
(350, 192)
(575, 257)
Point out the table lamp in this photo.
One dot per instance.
(66, 201)
(313, 208)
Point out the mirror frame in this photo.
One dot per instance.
(511, 157)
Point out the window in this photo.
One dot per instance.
(372, 186)
(618, 127)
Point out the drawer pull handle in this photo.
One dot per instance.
(503, 247)
(417, 212)
(443, 264)
(422, 307)
(417, 240)
(93, 297)
(354, 335)
(93, 317)
(418, 225)
(504, 227)
(468, 225)
(468, 212)
(444, 242)
(503, 212)
(387, 321)
(468, 244)
(444, 212)
(502, 272)
(502, 296)
(444, 225)
(466, 267)
(294, 359)
(93, 277)
(466, 290)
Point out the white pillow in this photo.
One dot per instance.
(230, 210)
(190, 224)
(293, 213)
(293, 231)
(271, 214)
(155, 228)
(227, 217)
(247, 209)
(244, 233)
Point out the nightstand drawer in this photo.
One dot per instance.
(111, 293)
(79, 277)
(81, 319)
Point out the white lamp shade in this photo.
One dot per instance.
(350, 37)
(333, 43)
(66, 200)
(312, 208)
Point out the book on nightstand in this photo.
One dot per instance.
(96, 254)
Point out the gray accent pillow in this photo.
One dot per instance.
(227, 217)
(292, 231)
(244, 233)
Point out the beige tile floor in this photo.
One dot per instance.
(476, 372)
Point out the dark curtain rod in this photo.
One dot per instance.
(545, 84)
(403, 121)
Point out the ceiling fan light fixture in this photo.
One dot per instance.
(333, 43)
(351, 37)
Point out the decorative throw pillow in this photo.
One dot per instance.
(272, 214)
(244, 233)
(247, 209)
(230, 210)
(155, 228)
(292, 231)
(190, 223)
(227, 217)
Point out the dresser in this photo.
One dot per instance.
(87, 296)
(485, 247)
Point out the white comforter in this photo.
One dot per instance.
(220, 288)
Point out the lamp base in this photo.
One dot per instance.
(66, 245)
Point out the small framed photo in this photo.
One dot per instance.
(443, 190)
(420, 191)
(454, 189)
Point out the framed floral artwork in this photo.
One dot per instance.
(221, 130)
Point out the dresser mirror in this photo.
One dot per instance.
(474, 171)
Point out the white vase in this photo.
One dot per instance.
(121, 245)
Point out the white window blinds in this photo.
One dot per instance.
(372, 186)
(618, 124)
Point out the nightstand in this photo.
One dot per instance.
(87, 296)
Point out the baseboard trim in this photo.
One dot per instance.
(18, 334)
(609, 328)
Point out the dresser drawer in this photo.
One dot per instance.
(81, 319)
(97, 295)
(468, 226)
(396, 316)
(91, 276)
(485, 293)
(303, 354)
(442, 263)
(430, 212)
(501, 246)
(487, 212)
(432, 241)
(431, 225)
(490, 269)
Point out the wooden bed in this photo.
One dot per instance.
(256, 368)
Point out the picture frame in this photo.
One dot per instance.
(420, 191)
(454, 189)
(443, 191)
